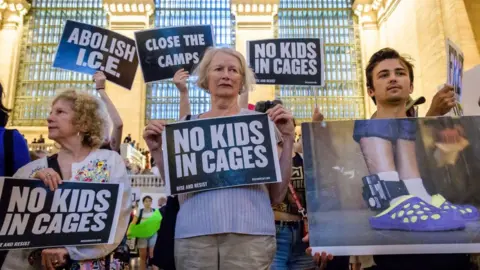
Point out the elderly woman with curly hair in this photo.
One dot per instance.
(230, 228)
(76, 123)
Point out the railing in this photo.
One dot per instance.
(49, 147)
(132, 154)
(146, 181)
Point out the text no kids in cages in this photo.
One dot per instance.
(221, 152)
(163, 51)
(287, 61)
(74, 214)
(86, 48)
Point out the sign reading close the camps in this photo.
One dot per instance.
(77, 213)
(287, 61)
(163, 51)
(87, 49)
(221, 152)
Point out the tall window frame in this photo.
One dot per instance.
(163, 98)
(37, 81)
(333, 21)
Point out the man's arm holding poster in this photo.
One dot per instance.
(118, 175)
(284, 122)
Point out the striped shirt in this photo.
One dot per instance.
(242, 210)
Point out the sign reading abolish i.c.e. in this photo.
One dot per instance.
(86, 49)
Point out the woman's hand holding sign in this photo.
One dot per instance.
(283, 119)
(153, 135)
(54, 257)
(49, 177)
(100, 79)
(180, 80)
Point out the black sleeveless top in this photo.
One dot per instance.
(298, 181)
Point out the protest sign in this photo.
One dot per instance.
(87, 49)
(357, 178)
(470, 96)
(220, 152)
(455, 61)
(77, 213)
(287, 61)
(163, 51)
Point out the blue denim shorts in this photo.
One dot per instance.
(147, 242)
(388, 129)
(290, 253)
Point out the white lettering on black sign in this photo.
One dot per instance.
(118, 49)
(71, 210)
(296, 58)
(175, 42)
(234, 146)
(287, 61)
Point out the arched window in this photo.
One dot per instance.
(37, 80)
(163, 97)
(333, 21)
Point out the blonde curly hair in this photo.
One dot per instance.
(248, 77)
(89, 119)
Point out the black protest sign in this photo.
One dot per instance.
(287, 61)
(219, 153)
(87, 49)
(78, 213)
(163, 51)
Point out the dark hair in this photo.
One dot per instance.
(384, 54)
(147, 197)
(263, 106)
(152, 161)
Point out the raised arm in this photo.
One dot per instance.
(180, 80)
(153, 137)
(284, 122)
(116, 136)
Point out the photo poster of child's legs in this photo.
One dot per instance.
(393, 186)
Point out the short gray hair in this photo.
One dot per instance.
(248, 77)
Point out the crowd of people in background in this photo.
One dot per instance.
(247, 227)
(40, 139)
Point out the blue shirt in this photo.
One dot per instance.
(20, 151)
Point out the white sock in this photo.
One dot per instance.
(390, 176)
(415, 187)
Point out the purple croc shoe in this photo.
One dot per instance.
(465, 212)
(411, 213)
